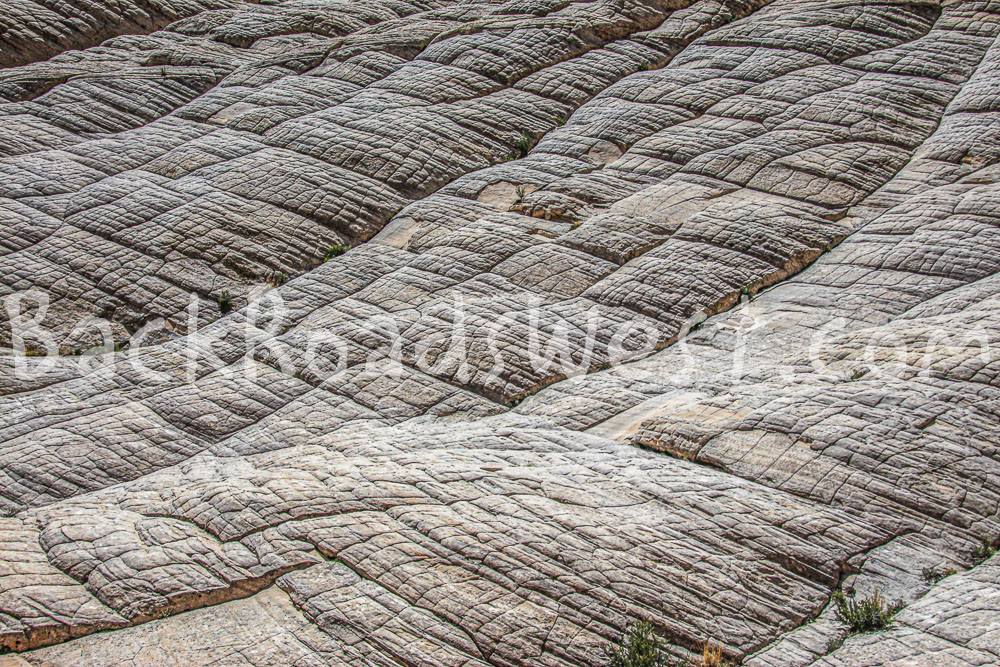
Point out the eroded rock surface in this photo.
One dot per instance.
(500, 428)
(32, 30)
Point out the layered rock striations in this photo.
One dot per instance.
(33, 30)
(653, 310)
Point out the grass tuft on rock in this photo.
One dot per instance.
(523, 144)
(932, 575)
(711, 656)
(983, 553)
(640, 646)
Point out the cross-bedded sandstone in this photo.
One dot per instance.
(487, 434)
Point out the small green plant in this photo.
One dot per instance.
(336, 250)
(225, 302)
(520, 191)
(523, 144)
(639, 647)
(983, 552)
(858, 374)
(932, 575)
(277, 279)
(865, 615)
(560, 121)
(98, 348)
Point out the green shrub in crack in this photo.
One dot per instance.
(523, 144)
(225, 302)
(865, 615)
(640, 647)
(336, 250)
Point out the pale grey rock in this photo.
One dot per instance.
(818, 179)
